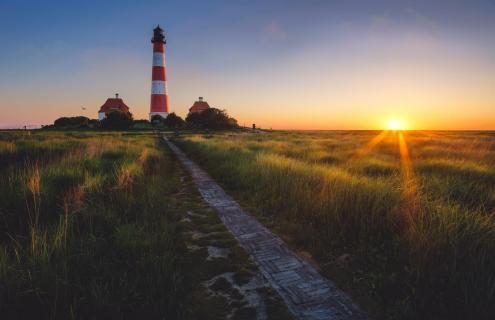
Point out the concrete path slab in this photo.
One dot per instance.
(308, 294)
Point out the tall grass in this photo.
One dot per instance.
(88, 227)
(421, 230)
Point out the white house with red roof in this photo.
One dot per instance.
(199, 105)
(112, 105)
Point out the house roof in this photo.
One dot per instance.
(114, 104)
(199, 106)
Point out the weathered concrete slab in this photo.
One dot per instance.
(308, 294)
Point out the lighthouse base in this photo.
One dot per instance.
(161, 114)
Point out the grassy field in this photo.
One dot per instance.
(88, 226)
(109, 226)
(404, 220)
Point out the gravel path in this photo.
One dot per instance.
(308, 294)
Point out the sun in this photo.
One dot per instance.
(395, 125)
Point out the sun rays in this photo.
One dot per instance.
(408, 182)
(373, 143)
(368, 147)
(404, 158)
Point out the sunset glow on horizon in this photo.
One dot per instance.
(396, 124)
(395, 65)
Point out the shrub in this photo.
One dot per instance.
(117, 120)
(173, 121)
(141, 124)
(72, 122)
(211, 118)
(157, 120)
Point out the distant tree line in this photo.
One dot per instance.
(75, 122)
(172, 121)
(210, 119)
(113, 121)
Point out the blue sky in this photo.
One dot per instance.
(282, 64)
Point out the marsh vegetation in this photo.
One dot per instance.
(108, 225)
(87, 226)
(404, 220)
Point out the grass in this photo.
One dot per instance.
(101, 225)
(88, 226)
(403, 220)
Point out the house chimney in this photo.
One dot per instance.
(116, 95)
(200, 99)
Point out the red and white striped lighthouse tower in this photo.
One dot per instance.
(159, 96)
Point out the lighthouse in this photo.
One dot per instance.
(159, 97)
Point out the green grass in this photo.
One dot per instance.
(96, 225)
(88, 227)
(420, 237)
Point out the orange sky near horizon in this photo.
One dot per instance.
(321, 102)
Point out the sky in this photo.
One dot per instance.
(282, 64)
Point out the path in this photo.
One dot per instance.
(308, 295)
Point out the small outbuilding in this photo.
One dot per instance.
(199, 105)
(112, 105)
